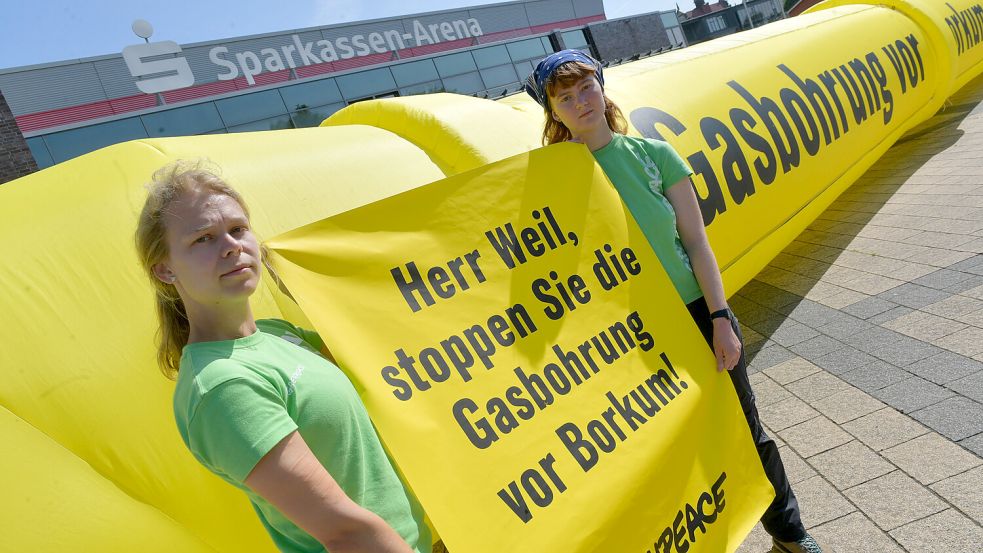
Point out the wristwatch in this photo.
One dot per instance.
(722, 314)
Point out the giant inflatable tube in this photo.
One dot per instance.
(777, 122)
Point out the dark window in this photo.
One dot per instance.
(40, 152)
(270, 124)
(312, 117)
(184, 121)
(574, 39)
(464, 84)
(526, 49)
(411, 73)
(367, 83)
(316, 93)
(68, 144)
(422, 88)
(498, 76)
(492, 56)
(455, 64)
(250, 107)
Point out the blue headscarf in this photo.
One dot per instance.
(536, 83)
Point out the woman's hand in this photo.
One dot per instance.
(726, 346)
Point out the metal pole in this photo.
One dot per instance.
(747, 13)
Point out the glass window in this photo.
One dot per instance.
(526, 49)
(524, 69)
(68, 144)
(422, 88)
(316, 93)
(574, 39)
(469, 83)
(250, 107)
(677, 36)
(366, 83)
(669, 19)
(40, 152)
(715, 23)
(183, 121)
(312, 117)
(547, 45)
(490, 57)
(414, 72)
(455, 64)
(269, 124)
(498, 76)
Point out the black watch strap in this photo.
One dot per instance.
(722, 314)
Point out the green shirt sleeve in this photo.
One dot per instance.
(236, 423)
(672, 166)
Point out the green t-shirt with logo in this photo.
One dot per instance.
(642, 170)
(236, 399)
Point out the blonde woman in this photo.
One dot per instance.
(255, 401)
(653, 180)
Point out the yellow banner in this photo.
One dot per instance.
(529, 364)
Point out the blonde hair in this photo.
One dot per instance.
(567, 75)
(167, 184)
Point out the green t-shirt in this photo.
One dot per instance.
(236, 399)
(642, 170)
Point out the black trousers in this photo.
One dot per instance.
(781, 519)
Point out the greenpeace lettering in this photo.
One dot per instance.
(800, 120)
(249, 64)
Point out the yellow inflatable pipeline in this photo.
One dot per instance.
(776, 122)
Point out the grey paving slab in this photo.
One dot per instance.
(849, 404)
(791, 333)
(872, 339)
(767, 391)
(791, 370)
(817, 386)
(884, 429)
(869, 307)
(844, 328)
(943, 532)
(796, 468)
(850, 464)
(930, 458)
(945, 367)
(820, 502)
(815, 314)
(905, 351)
(913, 295)
(912, 394)
(769, 356)
(814, 436)
(890, 315)
(973, 444)
(972, 282)
(968, 263)
(894, 500)
(970, 386)
(817, 347)
(875, 376)
(955, 418)
(788, 412)
(964, 491)
(854, 533)
(758, 541)
(843, 360)
(941, 279)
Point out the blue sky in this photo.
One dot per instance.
(41, 31)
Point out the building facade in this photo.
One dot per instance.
(710, 21)
(298, 78)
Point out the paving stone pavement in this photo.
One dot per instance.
(866, 344)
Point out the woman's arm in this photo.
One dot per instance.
(689, 223)
(292, 479)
